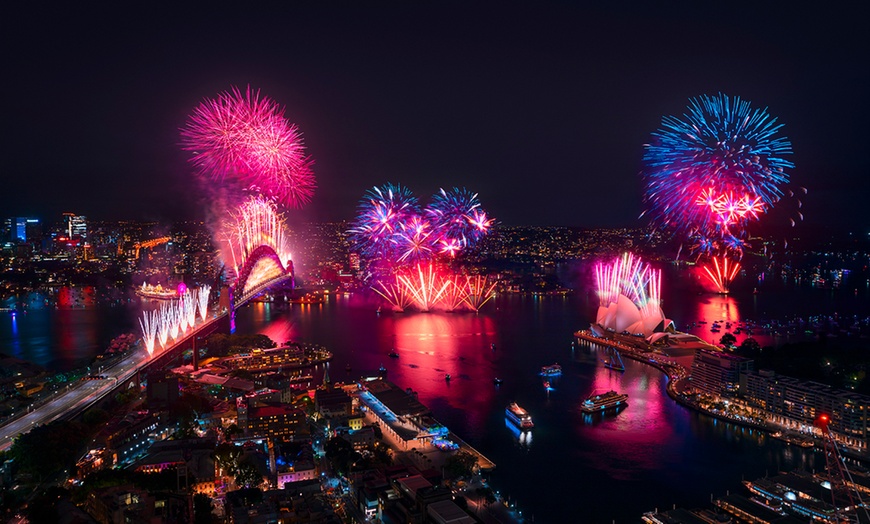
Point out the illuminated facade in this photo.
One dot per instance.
(629, 300)
(75, 225)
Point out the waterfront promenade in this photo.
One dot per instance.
(675, 364)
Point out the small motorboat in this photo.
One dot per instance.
(447, 377)
(497, 381)
(394, 353)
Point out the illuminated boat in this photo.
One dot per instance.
(519, 416)
(551, 371)
(157, 292)
(603, 402)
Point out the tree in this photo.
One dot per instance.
(248, 476)
(750, 347)
(202, 508)
(728, 340)
(95, 417)
(227, 457)
(460, 464)
(49, 448)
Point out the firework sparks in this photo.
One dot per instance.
(202, 297)
(245, 138)
(721, 275)
(256, 223)
(150, 324)
(711, 173)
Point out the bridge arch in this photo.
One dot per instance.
(261, 269)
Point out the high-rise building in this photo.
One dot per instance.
(75, 225)
(20, 229)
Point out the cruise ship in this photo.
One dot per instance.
(603, 402)
(519, 416)
(551, 371)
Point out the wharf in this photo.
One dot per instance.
(483, 463)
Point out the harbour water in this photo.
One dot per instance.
(651, 454)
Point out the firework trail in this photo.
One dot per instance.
(478, 291)
(712, 172)
(255, 223)
(426, 287)
(245, 138)
(720, 275)
(189, 309)
(165, 329)
(203, 296)
(149, 323)
(395, 293)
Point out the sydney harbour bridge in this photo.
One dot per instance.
(261, 270)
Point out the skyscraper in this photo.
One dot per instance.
(76, 225)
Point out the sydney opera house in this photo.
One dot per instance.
(629, 300)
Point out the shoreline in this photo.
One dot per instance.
(676, 373)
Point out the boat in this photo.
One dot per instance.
(596, 403)
(552, 370)
(497, 381)
(492, 346)
(519, 416)
(791, 438)
(394, 354)
(612, 360)
(347, 367)
(157, 292)
(447, 377)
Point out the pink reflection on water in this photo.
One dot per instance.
(280, 329)
(722, 309)
(432, 345)
(632, 439)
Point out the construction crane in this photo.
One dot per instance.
(147, 244)
(840, 478)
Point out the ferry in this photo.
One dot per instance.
(157, 292)
(603, 402)
(551, 371)
(519, 416)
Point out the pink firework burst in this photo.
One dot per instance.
(247, 139)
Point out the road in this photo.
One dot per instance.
(81, 395)
(74, 399)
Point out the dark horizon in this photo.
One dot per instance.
(541, 109)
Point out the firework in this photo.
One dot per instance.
(425, 286)
(449, 213)
(256, 223)
(478, 291)
(415, 241)
(454, 295)
(188, 306)
(395, 293)
(202, 296)
(150, 323)
(714, 171)
(631, 278)
(721, 275)
(383, 214)
(246, 138)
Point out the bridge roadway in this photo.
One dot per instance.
(82, 395)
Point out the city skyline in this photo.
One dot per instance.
(492, 99)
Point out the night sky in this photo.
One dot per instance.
(542, 108)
